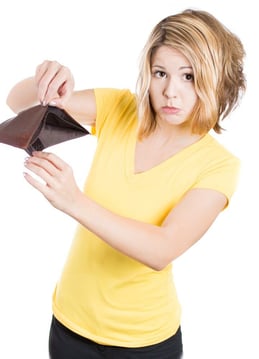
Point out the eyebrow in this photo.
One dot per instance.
(180, 68)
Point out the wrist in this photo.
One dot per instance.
(79, 208)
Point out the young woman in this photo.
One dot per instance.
(157, 183)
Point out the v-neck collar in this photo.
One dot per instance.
(130, 156)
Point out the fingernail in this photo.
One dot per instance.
(52, 103)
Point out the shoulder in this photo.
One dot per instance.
(113, 96)
(214, 152)
(219, 167)
(115, 109)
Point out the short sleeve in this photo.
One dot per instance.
(110, 104)
(222, 176)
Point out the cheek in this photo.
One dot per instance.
(154, 95)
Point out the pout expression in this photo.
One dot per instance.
(172, 92)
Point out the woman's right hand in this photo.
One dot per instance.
(54, 82)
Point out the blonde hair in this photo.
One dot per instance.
(216, 56)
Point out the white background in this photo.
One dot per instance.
(100, 41)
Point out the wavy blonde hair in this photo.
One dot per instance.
(216, 56)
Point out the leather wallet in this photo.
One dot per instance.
(39, 127)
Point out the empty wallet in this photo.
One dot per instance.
(39, 127)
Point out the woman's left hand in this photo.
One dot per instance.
(58, 186)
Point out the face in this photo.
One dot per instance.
(172, 92)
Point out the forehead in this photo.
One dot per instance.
(166, 56)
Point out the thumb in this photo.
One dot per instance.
(57, 102)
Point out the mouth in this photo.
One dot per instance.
(170, 110)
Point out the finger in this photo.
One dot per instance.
(34, 163)
(53, 159)
(60, 87)
(42, 86)
(46, 80)
(64, 93)
(43, 170)
(40, 70)
(41, 187)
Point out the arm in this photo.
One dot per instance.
(53, 84)
(154, 246)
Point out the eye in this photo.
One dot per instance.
(159, 74)
(188, 77)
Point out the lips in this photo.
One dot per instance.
(170, 110)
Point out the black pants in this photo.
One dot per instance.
(65, 344)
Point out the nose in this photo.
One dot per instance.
(170, 90)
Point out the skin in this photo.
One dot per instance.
(172, 91)
(173, 96)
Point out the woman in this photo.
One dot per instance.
(157, 183)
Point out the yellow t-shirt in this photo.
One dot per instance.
(102, 294)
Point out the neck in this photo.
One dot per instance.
(174, 135)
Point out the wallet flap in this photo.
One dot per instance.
(19, 130)
(39, 127)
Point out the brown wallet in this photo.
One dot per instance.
(39, 127)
